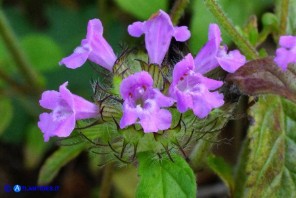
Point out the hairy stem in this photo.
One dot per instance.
(25, 68)
(106, 181)
(242, 43)
(178, 10)
(284, 10)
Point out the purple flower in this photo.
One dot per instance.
(66, 109)
(143, 103)
(94, 47)
(212, 54)
(158, 31)
(287, 52)
(193, 91)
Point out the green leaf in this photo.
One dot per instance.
(104, 131)
(142, 9)
(56, 161)
(271, 164)
(35, 146)
(164, 178)
(6, 112)
(42, 51)
(222, 169)
(116, 85)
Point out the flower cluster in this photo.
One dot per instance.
(142, 102)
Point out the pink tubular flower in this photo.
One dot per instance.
(158, 31)
(193, 91)
(287, 52)
(66, 109)
(212, 54)
(143, 103)
(94, 47)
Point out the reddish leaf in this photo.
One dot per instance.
(263, 76)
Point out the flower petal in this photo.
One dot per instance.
(182, 33)
(205, 60)
(66, 95)
(232, 61)
(143, 102)
(182, 68)
(158, 31)
(102, 53)
(162, 100)
(136, 29)
(287, 41)
(215, 34)
(84, 109)
(94, 47)
(286, 54)
(284, 57)
(133, 81)
(77, 59)
(184, 101)
(210, 83)
(203, 105)
(158, 35)
(129, 116)
(160, 120)
(51, 127)
(94, 27)
(50, 99)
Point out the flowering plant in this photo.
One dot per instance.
(161, 112)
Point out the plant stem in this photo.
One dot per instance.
(106, 181)
(178, 10)
(198, 154)
(242, 43)
(12, 44)
(14, 84)
(240, 174)
(263, 36)
(284, 9)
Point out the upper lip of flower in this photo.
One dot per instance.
(158, 31)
